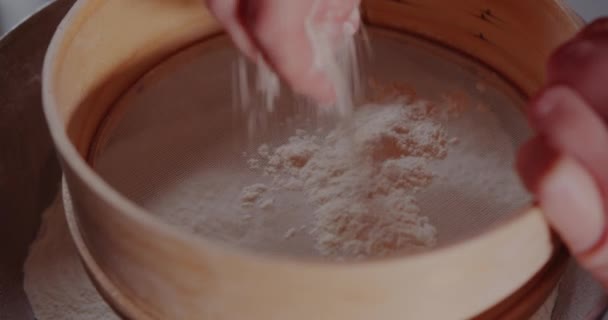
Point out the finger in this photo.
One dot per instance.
(582, 64)
(227, 12)
(339, 17)
(569, 198)
(571, 126)
(280, 29)
(353, 23)
(336, 10)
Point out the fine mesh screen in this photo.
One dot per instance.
(176, 145)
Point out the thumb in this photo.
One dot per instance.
(570, 199)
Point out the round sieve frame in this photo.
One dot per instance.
(152, 270)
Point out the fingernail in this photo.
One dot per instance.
(545, 104)
(352, 23)
(570, 199)
(349, 29)
(549, 104)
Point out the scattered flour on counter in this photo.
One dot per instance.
(362, 178)
(55, 280)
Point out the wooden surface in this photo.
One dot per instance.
(152, 270)
(526, 301)
(513, 37)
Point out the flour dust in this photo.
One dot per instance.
(55, 280)
(361, 178)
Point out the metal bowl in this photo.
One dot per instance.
(29, 170)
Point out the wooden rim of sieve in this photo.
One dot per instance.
(158, 267)
(521, 304)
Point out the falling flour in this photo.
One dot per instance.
(257, 88)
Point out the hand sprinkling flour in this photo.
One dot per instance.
(299, 40)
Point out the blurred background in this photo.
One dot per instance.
(13, 11)
(588, 9)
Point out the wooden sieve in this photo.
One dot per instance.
(148, 269)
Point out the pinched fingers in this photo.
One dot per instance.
(277, 31)
(567, 166)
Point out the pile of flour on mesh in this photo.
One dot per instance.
(362, 178)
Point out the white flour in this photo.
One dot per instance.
(338, 59)
(362, 177)
(55, 280)
(253, 194)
